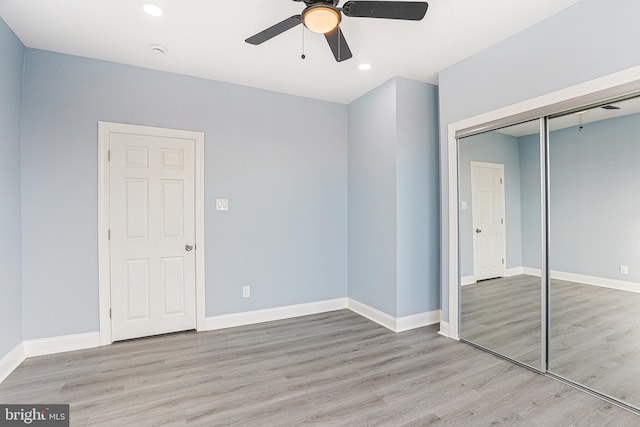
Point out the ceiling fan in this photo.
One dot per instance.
(324, 16)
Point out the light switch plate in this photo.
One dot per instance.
(222, 204)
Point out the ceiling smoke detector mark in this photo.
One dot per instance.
(152, 9)
(157, 48)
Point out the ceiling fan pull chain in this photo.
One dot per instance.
(303, 55)
(339, 33)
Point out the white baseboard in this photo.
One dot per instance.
(419, 320)
(270, 314)
(11, 361)
(444, 329)
(513, 271)
(373, 314)
(531, 271)
(395, 324)
(509, 272)
(597, 281)
(584, 279)
(467, 280)
(43, 346)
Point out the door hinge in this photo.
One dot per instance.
(109, 234)
(500, 180)
(503, 260)
(109, 156)
(501, 220)
(109, 313)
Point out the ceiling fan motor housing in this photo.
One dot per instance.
(321, 17)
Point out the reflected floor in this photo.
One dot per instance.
(594, 338)
(503, 315)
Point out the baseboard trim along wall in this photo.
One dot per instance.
(467, 280)
(584, 279)
(444, 329)
(395, 324)
(11, 361)
(509, 272)
(270, 314)
(602, 282)
(44, 346)
(373, 314)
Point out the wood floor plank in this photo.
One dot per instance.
(330, 369)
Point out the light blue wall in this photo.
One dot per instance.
(491, 147)
(393, 189)
(279, 159)
(562, 51)
(372, 198)
(418, 256)
(10, 223)
(595, 208)
(530, 197)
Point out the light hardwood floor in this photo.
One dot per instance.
(594, 336)
(328, 369)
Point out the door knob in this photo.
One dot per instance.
(478, 230)
(188, 248)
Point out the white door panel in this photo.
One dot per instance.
(487, 192)
(152, 220)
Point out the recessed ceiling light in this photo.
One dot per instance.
(157, 48)
(364, 67)
(152, 9)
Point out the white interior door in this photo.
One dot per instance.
(488, 210)
(152, 234)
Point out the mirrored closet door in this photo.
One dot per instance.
(594, 249)
(500, 242)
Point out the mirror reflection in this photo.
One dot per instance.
(594, 249)
(500, 238)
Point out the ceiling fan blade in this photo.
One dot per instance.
(409, 10)
(273, 31)
(338, 44)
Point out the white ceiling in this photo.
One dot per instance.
(205, 38)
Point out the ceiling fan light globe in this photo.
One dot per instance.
(321, 19)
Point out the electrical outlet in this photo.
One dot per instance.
(222, 204)
(624, 269)
(246, 291)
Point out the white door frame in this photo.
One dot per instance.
(104, 269)
(503, 213)
(625, 81)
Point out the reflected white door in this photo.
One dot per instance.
(487, 193)
(152, 228)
